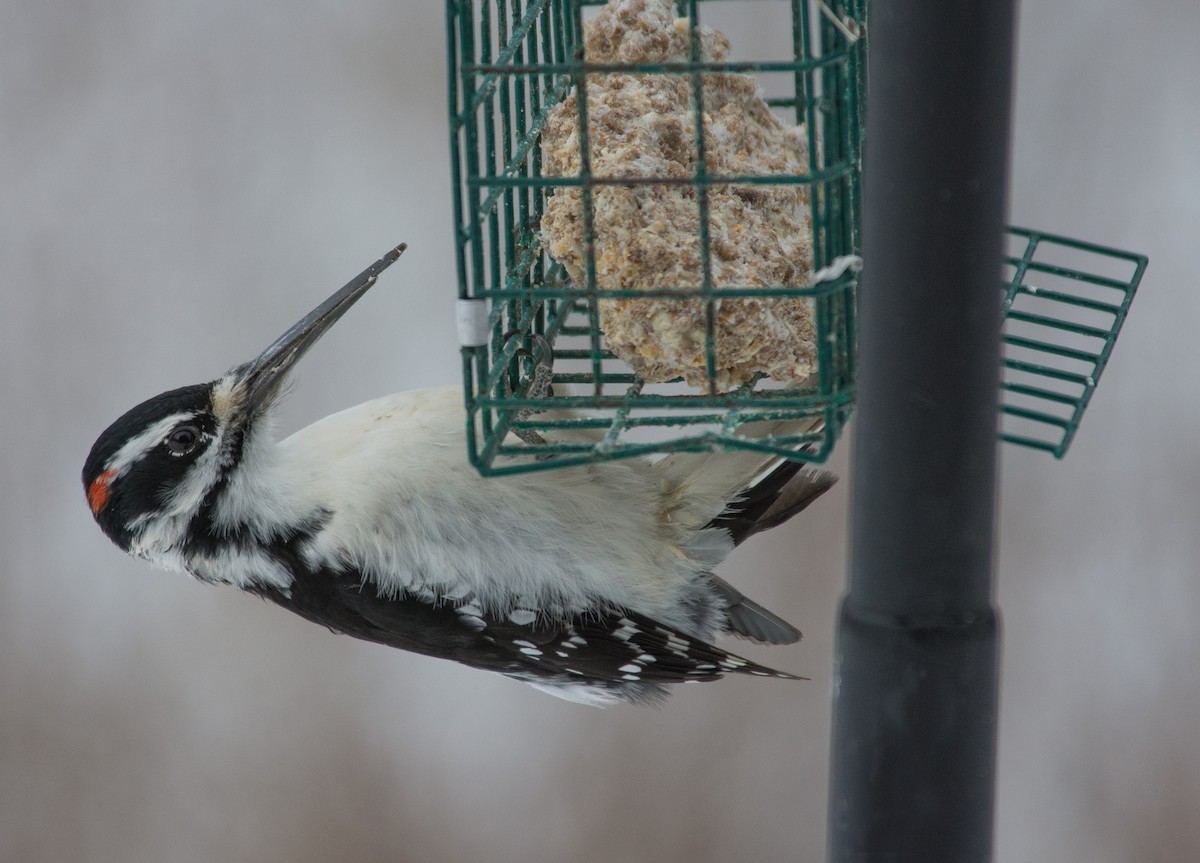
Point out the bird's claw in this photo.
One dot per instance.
(540, 384)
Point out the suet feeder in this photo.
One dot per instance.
(572, 241)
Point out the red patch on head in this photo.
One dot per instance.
(97, 493)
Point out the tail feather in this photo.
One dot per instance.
(781, 494)
(704, 483)
(747, 618)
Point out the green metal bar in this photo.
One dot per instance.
(1059, 297)
(1048, 348)
(507, 215)
(1083, 245)
(1039, 392)
(524, 98)
(453, 12)
(471, 144)
(1032, 443)
(1079, 276)
(701, 183)
(799, 100)
(1021, 265)
(778, 408)
(681, 293)
(620, 420)
(1059, 324)
(842, 170)
(1038, 416)
(1048, 371)
(674, 68)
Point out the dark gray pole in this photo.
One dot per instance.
(915, 680)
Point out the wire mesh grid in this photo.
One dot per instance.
(511, 63)
(1064, 304)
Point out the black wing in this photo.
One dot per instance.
(617, 650)
(343, 603)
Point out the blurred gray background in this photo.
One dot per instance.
(181, 180)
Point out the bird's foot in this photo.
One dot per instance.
(540, 384)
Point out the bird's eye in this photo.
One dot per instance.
(182, 440)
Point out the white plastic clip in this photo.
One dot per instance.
(471, 319)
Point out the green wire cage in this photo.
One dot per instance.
(515, 67)
(552, 223)
(1064, 304)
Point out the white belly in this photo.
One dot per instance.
(412, 514)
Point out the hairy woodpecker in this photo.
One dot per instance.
(591, 583)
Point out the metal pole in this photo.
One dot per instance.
(915, 678)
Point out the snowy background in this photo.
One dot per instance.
(181, 180)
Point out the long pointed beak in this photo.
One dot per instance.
(261, 378)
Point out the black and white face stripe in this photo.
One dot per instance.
(137, 468)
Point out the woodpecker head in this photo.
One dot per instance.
(162, 466)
